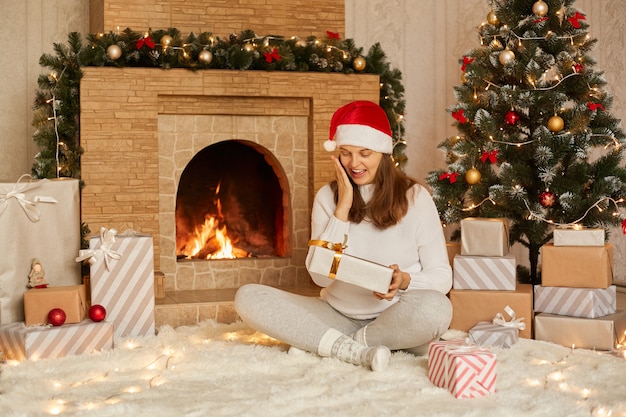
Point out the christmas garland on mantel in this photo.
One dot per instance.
(57, 102)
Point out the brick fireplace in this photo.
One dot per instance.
(140, 129)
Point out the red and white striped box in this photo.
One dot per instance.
(122, 281)
(20, 342)
(576, 302)
(488, 334)
(484, 273)
(467, 371)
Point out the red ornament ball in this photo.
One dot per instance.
(511, 118)
(56, 317)
(578, 68)
(547, 199)
(97, 312)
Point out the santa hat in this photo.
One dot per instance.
(360, 123)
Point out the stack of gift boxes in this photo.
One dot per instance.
(487, 300)
(576, 301)
(42, 220)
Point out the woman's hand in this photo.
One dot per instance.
(399, 281)
(344, 191)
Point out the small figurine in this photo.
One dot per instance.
(37, 276)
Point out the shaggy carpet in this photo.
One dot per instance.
(230, 370)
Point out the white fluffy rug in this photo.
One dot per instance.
(229, 370)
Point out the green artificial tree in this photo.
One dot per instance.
(536, 141)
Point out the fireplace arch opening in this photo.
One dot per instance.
(232, 202)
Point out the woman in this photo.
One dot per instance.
(389, 219)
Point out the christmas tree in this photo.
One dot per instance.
(536, 141)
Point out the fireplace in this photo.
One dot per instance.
(232, 202)
(145, 130)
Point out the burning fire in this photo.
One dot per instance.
(210, 240)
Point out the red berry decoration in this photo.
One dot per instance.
(56, 317)
(547, 199)
(511, 118)
(97, 312)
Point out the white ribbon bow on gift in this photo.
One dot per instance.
(17, 192)
(107, 239)
(514, 322)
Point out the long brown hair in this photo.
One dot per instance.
(389, 202)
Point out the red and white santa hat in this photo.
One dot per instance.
(360, 123)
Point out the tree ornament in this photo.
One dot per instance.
(56, 317)
(555, 124)
(463, 78)
(97, 313)
(166, 40)
(511, 118)
(540, 8)
(359, 63)
(578, 68)
(506, 56)
(205, 56)
(547, 199)
(302, 43)
(493, 19)
(495, 44)
(114, 52)
(472, 176)
(248, 47)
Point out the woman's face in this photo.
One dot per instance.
(361, 164)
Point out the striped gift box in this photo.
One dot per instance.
(576, 302)
(484, 272)
(125, 286)
(19, 342)
(489, 334)
(467, 371)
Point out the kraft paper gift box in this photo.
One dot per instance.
(576, 302)
(122, 280)
(481, 236)
(19, 342)
(581, 237)
(453, 250)
(470, 307)
(38, 219)
(484, 272)
(329, 261)
(467, 371)
(602, 333)
(577, 266)
(39, 301)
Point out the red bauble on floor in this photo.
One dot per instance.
(56, 317)
(97, 312)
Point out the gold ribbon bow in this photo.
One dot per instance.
(514, 322)
(337, 247)
(17, 192)
(107, 239)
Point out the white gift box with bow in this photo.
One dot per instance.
(38, 219)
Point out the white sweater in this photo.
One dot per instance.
(416, 244)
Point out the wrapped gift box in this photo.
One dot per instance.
(472, 306)
(486, 333)
(39, 219)
(336, 265)
(453, 250)
(466, 371)
(19, 342)
(484, 236)
(577, 266)
(39, 301)
(603, 333)
(122, 280)
(577, 302)
(581, 237)
(484, 272)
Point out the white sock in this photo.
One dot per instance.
(337, 345)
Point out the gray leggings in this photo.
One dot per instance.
(418, 317)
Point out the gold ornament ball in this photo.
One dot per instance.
(555, 124)
(114, 52)
(248, 47)
(495, 44)
(506, 56)
(472, 176)
(493, 19)
(301, 43)
(540, 8)
(166, 40)
(463, 78)
(205, 56)
(359, 63)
